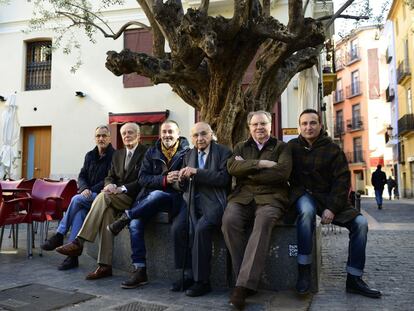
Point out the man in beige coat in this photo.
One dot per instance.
(121, 188)
(261, 165)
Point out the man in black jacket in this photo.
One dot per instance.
(206, 165)
(319, 185)
(158, 173)
(90, 182)
(378, 180)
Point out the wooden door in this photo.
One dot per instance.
(36, 152)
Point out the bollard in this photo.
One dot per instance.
(358, 201)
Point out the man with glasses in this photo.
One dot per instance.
(205, 164)
(159, 172)
(262, 166)
(90, 182)
(121, 188)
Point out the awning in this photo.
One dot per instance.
(139, 117)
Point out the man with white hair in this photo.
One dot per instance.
(121, 188)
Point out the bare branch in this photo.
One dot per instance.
(158, 70)
(295, 15)
(273, 29)
(339, 12)
(306, 5)
(204, 6)
(80, 20)
(266, 8)
(343, 16)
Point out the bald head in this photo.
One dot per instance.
(201, 135)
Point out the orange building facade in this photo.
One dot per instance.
(360, 110)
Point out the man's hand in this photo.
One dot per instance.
(186, 173)
(110, 188)
(238, 158)
(172, 176)
(86, 193)
(266, 163)
(327, 217)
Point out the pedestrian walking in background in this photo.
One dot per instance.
(391, 184)
(378, 180)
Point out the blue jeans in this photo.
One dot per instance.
(75, 215)
(141, 213)
(378, 196)
(358, 229)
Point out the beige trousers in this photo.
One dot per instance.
(248, 252)
(102, 213)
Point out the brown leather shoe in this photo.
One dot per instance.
(239, 295)
(72, 249)
(102, 271)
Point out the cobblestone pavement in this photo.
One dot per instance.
(389, 268)
(389, 264)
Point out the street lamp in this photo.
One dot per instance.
(388, 134)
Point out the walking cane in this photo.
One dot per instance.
(187, 236)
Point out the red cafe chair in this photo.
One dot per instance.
(49, 201)
(14, 212)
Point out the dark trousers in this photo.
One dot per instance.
(199, 245)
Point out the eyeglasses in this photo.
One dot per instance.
(258, 124)
(101, 135)
(203, 133)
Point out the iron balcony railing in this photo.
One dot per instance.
(339, 64)
(355, 124)
(339, 129)
(406, 124)
(356, 156)
(353, 55)
(339, 96)
(389, 94)
(354, 89)
(403, 71)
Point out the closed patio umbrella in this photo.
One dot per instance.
(11, 133)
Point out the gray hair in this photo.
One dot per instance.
(253, 113)
(134, 125)
(170, 121)
(103, 127)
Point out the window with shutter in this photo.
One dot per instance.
(137, 40)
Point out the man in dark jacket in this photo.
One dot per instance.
(121, 188)
(320, 184)
(262, 166)
(378, 180)
(159, 172)
(206, 165)
(90, 182)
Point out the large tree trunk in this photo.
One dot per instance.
(210, 55)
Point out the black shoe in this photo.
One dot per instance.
(355, 284)
(178, 285)
(379, 206)
(198, 289)
(304, 279)
(54, 241)
(69, 263)
(119, 224)
(137, 278)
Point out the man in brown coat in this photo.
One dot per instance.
(262, 166)
(320, 184)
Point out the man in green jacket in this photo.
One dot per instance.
(320, 185)
(262, 166)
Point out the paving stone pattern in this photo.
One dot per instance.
(390, 268)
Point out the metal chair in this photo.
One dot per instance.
(13, 212)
